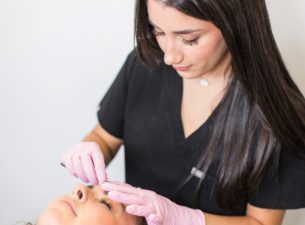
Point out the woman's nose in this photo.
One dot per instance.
(80, 192)
(172, 55)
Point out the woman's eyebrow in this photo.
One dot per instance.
(185, 31)
(90, 186)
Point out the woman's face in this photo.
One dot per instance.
(86, 205)
(192, 46)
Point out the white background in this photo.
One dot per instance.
(57, 59)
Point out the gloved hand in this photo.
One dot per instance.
(85, 160)
(156, 209)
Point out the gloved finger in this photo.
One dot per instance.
(126, 198)
(66, 159)
(99, 165)
(88, 168)
(153, 219)
(140, 210)
(78, 166)
(125, 188)
(117, 182)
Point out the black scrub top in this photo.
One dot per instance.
(142, 107)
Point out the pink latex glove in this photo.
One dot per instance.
(156, 209)
(85, 160)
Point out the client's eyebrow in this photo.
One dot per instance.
(122, 206)
(92, 187)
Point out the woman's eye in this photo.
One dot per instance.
(103, 201)
(190, 42)
(156, 33)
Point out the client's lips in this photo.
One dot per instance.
(182, 68)
(70, 205)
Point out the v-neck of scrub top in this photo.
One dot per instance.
(179, 129)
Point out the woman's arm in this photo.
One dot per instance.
(255, 216)
(108, 143)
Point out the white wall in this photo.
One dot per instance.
(57, 59)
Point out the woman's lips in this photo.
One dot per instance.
(70, 204)
(182, 68)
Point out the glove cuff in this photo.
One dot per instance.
(189, 216)
(200, 217)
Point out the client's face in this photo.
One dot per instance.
(86, 205)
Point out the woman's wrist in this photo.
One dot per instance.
(190, 216)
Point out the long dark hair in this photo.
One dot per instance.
(263, 110)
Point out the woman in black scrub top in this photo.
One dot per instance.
(212, 123)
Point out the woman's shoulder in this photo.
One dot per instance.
(292, 163)
(283, 188)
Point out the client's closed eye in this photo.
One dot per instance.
(103, 201)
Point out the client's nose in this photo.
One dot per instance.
(80, 192)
